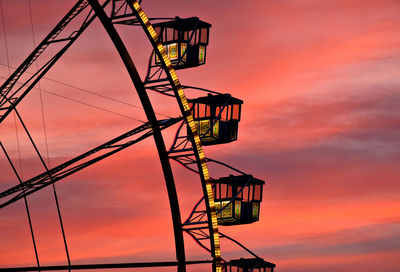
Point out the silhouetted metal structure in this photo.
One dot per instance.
(207, 120)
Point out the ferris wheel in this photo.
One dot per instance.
(209, 119)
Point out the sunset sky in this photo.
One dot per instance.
(320, 124)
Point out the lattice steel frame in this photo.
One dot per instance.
(186, 149)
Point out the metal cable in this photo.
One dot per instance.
(46, 142)
(86, 104)
(20, 177)
(88, 91)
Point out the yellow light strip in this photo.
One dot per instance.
(189, 118)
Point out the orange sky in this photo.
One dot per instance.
(320, 123)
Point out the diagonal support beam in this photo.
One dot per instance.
(82, 161)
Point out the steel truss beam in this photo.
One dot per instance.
(82, 161)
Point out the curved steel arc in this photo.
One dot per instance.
(192, 131)
(162, 152)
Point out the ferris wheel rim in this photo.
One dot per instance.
(186, 113)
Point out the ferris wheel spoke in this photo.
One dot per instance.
(80, 162)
